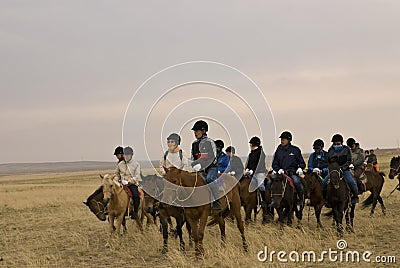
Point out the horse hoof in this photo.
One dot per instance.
(107, 245)
(164, 251)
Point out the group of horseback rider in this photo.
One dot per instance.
(207, 157)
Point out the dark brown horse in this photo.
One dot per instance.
(96, 204)
(283, 198)
(374, 183)
(197, 216)
(395, 169)
(338, 195)
(156, 185)
(248, 199)
(314, 193)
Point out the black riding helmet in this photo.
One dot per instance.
(350, 142)
(175, 137)
(230, 149)
(286, 135)
(200, 125)
(318, 143)
(219, 144)
(119, 150)
(337, 138)
(255, 141)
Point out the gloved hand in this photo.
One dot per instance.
(232, 173)
(299, 171)
(281, 171)
(273, 172)
(316, 170)
(251, 172)
(365, 163)
(124, 182)
(351, 166)
(197, 167)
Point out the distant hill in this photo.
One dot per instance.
(61, 167)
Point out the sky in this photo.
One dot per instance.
(69, 69)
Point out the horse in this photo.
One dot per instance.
(338, 195)
(395, 169)
(248, 199)
(197, 216)
(156, 184)
(314, 193)
(374, 184)
(96, 204)
(283, 197)
(118, 204)
(268, 210)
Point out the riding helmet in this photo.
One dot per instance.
(286, 135)
(128, 151)
(219, 144)
(350, 142)
(318, 143)
(255, 141)
(337, 138)
(175, 137)
(230, 149)
(119, 150)
(200, 125)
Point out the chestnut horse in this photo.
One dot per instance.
(156, 185)
(197, 216)
(374, 184)
(248, 199)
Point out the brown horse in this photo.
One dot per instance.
(96, 204)
(156, 185)
(374, 184)
(197, 216)
(248, 199)
(283, 198)
(314, 193)
(395, 169)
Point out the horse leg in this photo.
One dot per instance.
(119, 223)
(180, 220)
(164, 228)
(349, 227)
(317, 210)
(339, 221)
(374, 201)
(239, 223)
(221, 224)
(194, 225)
(124, 230)
(200, 234)
(247, 210)
(189, 230)
(111, 219)
(380, 200)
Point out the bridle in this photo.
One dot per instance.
(396, 170)
(284, 188)
(340, 172)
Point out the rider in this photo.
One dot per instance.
(342, 154)
(255, 164)
(205, 160)
(317, 161)
(128, 172)
(174, 156)
(223, 158)
(373, 160)
(288, 158)
(235, 167)
(357, 158)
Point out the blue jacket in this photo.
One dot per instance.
(223, 162)
(288, 158)
(318, 160)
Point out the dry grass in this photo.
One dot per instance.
(44, 223)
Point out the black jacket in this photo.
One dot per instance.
(342, 157)
(256, 161)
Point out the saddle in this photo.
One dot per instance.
(128, 191)
(291, 183)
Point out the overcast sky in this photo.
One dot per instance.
(69, 68)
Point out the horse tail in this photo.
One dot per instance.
(329, 213)
(222, 214)
(367, 202)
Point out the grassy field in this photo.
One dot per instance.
(44, 224)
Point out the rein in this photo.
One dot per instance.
(180, 185)
(283, 190)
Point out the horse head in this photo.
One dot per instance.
(335, 174)
(153, 187)
(277, 189)
(173, 175)
(394, 167)
(108, 186)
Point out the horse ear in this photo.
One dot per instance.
(165, 169)
(101, 176)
